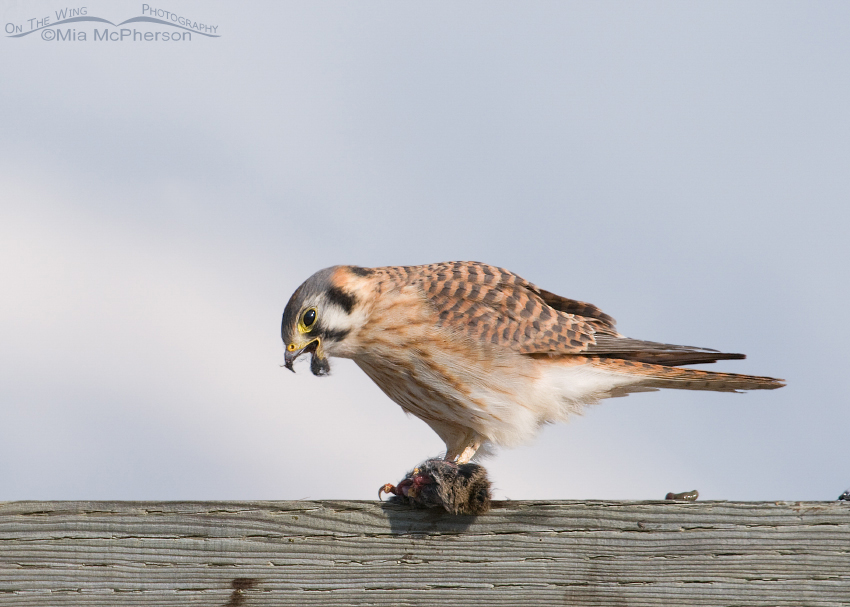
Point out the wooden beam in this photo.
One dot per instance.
(253, 554)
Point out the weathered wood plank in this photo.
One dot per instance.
(365, 553)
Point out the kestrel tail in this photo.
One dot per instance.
(480, 354)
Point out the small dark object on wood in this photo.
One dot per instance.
(688, 496)
(460, 489)
(845, 496)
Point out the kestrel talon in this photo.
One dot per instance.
(480, 354)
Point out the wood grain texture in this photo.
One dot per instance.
(254, 554)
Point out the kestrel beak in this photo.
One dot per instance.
(293, 351)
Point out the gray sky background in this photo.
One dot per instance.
(682, 165)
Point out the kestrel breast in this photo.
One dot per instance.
(442, 375)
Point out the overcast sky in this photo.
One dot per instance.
(684, 166)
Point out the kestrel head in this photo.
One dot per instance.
(319, 317)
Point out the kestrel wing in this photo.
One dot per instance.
(610, 346)
(497, 306)
(578, 308)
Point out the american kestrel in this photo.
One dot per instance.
(480, 354)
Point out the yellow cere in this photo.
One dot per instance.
(293, 346)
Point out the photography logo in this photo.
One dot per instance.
(76, 25)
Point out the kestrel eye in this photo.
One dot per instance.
(309, 318)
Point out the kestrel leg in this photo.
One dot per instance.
(463, 450)
(468, 453)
